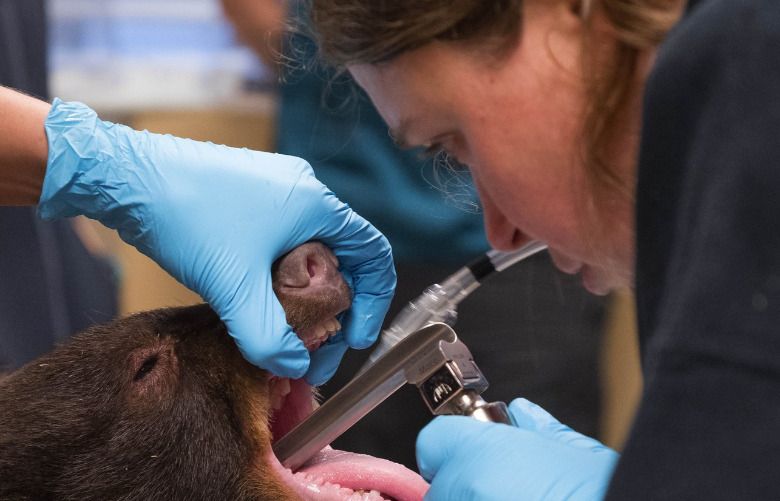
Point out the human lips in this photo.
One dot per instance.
(592, 278)
(564, 263)
(594, 282)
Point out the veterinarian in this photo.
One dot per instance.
(641, 141)
(214, 217)
(558, 328)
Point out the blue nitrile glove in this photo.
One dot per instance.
(465, 459)
(216, 218)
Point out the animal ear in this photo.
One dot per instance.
(146, 367)
(151, 370)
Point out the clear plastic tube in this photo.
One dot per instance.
(503, 260)
(438, 303)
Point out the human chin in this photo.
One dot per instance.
(565, 263)
(600, 281)
(592, 282)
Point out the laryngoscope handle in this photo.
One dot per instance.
(491, 412)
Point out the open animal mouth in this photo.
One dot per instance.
(333, 474)
(310, 288)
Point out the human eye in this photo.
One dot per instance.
(438, 147)
(433, 150)
(442, 155)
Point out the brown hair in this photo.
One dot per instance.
(639, 25)
(354, 32)
(372, 31)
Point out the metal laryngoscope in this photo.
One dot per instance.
(419, 348)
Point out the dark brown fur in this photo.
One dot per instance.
(159, 405)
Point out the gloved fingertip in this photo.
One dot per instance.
(293, 357)
(317, 378)
(425, 469)
(292, 365)
(361, 338)
(364, 321)
(292, 370)
(278, 350)
(325, 361)
(530, 416)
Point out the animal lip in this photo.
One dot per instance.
(338, 475)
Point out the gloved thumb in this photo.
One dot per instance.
(325, 360)
(363, 321)
(259, 326)
(529, 416)
(372, 280)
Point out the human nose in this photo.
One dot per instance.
(501, 233)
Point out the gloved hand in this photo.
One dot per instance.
(216, 218)
(465, 459)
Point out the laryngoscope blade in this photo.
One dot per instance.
(358, 397)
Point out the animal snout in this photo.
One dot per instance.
(312, 291)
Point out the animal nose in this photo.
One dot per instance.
(311, 264)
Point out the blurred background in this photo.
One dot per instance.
(177, 66)
(126, 56)
(169, 66)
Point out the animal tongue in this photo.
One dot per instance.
(335, 475)
(363, 472)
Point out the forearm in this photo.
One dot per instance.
(23, 147)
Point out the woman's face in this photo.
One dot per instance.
(517, 124)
